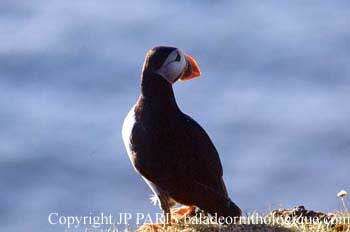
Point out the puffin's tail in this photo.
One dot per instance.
(234, 210)
(227, 209)
(221, 206)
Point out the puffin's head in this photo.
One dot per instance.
(171, 63)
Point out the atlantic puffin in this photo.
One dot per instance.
(170, 150)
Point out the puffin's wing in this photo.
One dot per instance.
(192, 173)
(203, 159)
(188, 155)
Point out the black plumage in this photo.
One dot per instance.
(171, 150)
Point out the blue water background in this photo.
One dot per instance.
(274, 97)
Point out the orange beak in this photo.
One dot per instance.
(192, 69)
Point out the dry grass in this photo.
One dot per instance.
(296, 219)
(282, 220)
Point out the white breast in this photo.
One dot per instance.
(128, 125)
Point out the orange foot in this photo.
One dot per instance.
(151, 228)
(185, 211)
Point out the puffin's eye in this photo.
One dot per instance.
(178, 57)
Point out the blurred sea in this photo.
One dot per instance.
(274, 97)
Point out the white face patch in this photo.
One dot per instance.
(173, 66)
